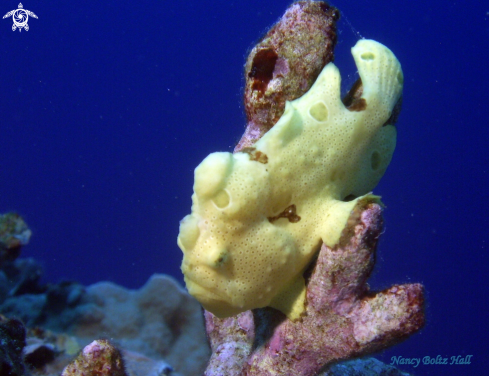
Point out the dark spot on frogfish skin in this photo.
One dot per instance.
(255, 155)
(358, 105)
(262, 69)
(289, 213)
(353, 100)
(394, 114)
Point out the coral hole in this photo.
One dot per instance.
(262, 69)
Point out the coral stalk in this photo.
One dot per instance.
(285, 63)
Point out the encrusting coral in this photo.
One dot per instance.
(283, 233)
(14, 234)
(277, 72)
(12, 343)
(98, 358)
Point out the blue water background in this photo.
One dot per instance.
(107, 107)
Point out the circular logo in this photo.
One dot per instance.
(20, 18)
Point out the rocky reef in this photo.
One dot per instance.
(14, 234)
(99, 357)
(158, 329)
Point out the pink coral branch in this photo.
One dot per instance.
(285, 63)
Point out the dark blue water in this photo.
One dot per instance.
(107, 107)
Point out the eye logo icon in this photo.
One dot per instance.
(20, 17)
